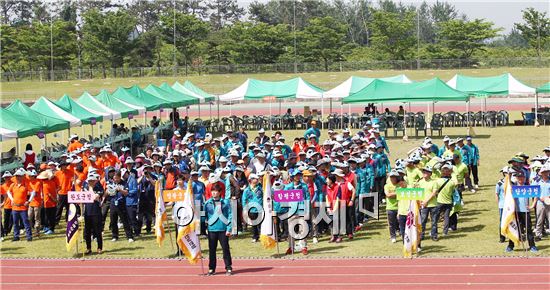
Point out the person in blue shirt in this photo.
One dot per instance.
(542, 209)
(499, 192)
(252, 198)
(381, 140)
(217, 214)
(474, 161)
(118, 190)
(365, 180)
(380, 171)
(298, 217)
(443, 147)
(523, 216)
(313, 131)
(132, 200)
(201, 154)
(465, 151)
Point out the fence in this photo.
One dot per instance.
(99, 73)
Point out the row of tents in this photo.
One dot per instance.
(46, 116)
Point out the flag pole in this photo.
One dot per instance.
(82, 240)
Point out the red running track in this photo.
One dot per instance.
(378, 273)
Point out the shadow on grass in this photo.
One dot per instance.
(428, 249)
(116, 251)
(11, 250)
(475, 228)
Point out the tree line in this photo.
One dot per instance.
(147, 33)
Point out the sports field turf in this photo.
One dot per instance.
(217, 84)
(478, 223)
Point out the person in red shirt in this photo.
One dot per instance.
(334, 197)
(36, 204)
(213, 179)
(19, 193)
(348, 196)
(6, 184)
(29, 157)
(65, 179)
(49, 188)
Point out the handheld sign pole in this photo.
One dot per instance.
(526, 192)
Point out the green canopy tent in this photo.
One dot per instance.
(136, 96)
(380, 91)
(47, 124)
(88, 102)
(253, 89)
(48, 108)
(195, 92)
(23, 127)
(173, 99)
(51, 124)
(124, 108)
(430, 90)
(188, 99)
(544, 89)
(87, 116)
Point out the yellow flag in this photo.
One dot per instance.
(508, 224)
(160, 213)
(188, 240)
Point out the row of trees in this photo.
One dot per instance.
(147, 33)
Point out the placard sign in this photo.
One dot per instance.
(292, 195)
(173, 195)
(93, 121)
(525, 191)
(410, 194)
(41, 134)
(80, 196)
(130, 116)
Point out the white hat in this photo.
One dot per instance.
(447, 166)
(125, 149)
(260, 155)
(167, 162)
(227, 169)
(91, 158)
(6, 174)
(198, 144)
(446, 138)
(213, 178)
(252, 176)
(545, 168)
(157, 164)
(204, 168)
(394, 173)
(261, 131)
(92, 177)
(234, 153)
(19, 172)
(339, 172)
(176, 153)
(426, 146)
(245, 155)
(73, 136)
(279, 143)
(222, 159)
(177, 133)
(123, 171)
(129, 160)
(194, 172)
(32, 172)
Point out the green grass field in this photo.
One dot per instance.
(217, 84)
(478, 223)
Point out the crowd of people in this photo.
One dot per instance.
(523, 173)
(347, 168)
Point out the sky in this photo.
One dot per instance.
(503, 13)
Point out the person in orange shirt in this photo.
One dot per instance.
(19, 195)
(65, 178)
(110, 159)
(35, 206)
(74, 143)
(81, 172)
(48, 188)
(8, 222)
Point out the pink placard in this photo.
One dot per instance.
(80, 196)
(292, 195)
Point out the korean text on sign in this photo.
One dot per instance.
(80, 196)
(410, 194)
(525, 191)
(173, 195)
(292, 195)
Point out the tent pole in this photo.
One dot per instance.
(322, 111)
(330, 110)
(92, 141)
(536, 109)
(270, 126)
(280, 107)
(210, 104)
(341, 115)
(406, 137)
(199, 109)
(428, 123)
(17, 151)
(218, 110)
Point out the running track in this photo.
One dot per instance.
(353, 273)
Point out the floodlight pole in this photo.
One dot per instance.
(51, 48)
(536, 123)
(294, 32)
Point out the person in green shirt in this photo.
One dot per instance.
(412, 171)
(429, 204)
(390, 189)
(451, 150)
(446, 186)
(460, 172)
